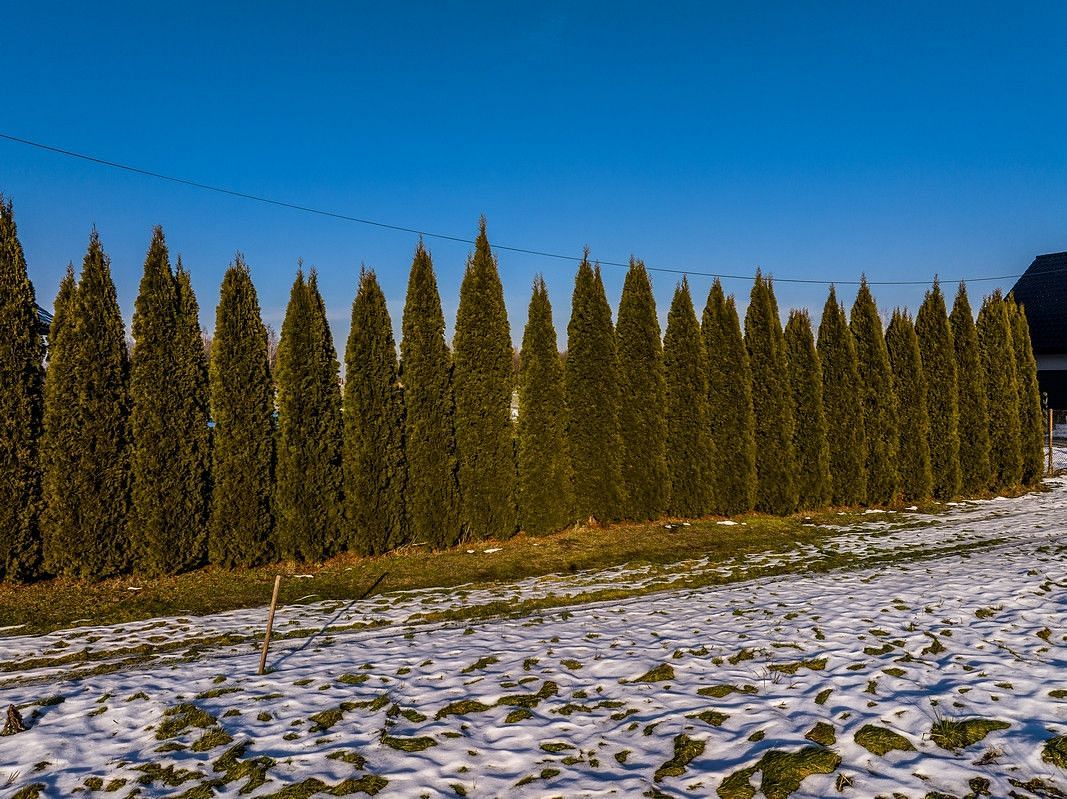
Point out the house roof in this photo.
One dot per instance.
(1042, 291)
(44, 320)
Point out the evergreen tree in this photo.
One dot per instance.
(308, 474)
(430, 439)
(194, 412)
(1031, 417)
(642, 398)
(21, 409)
(1002, 385)
(810, 437)
(909, 385)
(546, 497)
(86, 488)
(731, 418)
(972, 400)
(689, 452)
(776, 486)
(938, 353)
(59, 438)
(593, 400)
(842, 405)
(482, 353)
(242, 406)
(168, 421)
(374, 469)
(878, 401)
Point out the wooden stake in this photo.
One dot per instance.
(1050, 464)
(270, 624)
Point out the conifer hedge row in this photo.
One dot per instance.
(165, 457)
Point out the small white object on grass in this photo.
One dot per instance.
(491, 550)
(134, 588)
(727, 523)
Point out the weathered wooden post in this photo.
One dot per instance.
(270, 624)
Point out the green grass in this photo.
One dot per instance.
(955, 735)
(685, 750)
(54, 604)
(783, 772)
(880, 740)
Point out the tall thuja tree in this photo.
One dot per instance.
(1002, 386)
(432, 496)
(193, 414)
(938, 353)
(242, 406)
(776, 485)
(168, 421)
(60, 432)
(909, 386)
(642, 398)
(546, 498)
(731, 419)
(1031, 418)
(87, 488)
(971, 393)
(842, 405)
(876, 396)
(809, 439)
(482, 377)
(374, 469)
(307, 497)
(593, 400)
(21, 409)
(688, 438)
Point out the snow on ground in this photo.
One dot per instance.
(795, 683)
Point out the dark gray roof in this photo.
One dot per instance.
(1042, 291)
(44, 320)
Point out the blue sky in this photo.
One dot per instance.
(900, 139)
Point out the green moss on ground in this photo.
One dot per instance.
(881, 740)
(685, 750)
(955, 735)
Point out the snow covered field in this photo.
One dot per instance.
(937, 671)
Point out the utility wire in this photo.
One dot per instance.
(446, 237)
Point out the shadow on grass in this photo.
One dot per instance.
(322, 630)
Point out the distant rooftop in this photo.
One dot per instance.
(1042, 291)
(44, 321)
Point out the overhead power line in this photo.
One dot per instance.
(447, 237)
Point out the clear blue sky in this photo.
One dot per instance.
(899, 139)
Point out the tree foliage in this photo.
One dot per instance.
(308, 476)
(87, 438)
(877, 399)
(592, 382)
(776, 487)
(168, 421)
(909, 386)
(938, 353)
(546, 497)
(21, 408)
(483, 375)
(240, 528)
(731, 419)
(689, 453)
(972, 399)
(1031, 418)
(843, 405)
(810, 438)
(1002, 384)
(373, 456)
(642, 398)
(430, 441)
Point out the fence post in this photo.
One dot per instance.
(270, 623)
(1051, 467)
